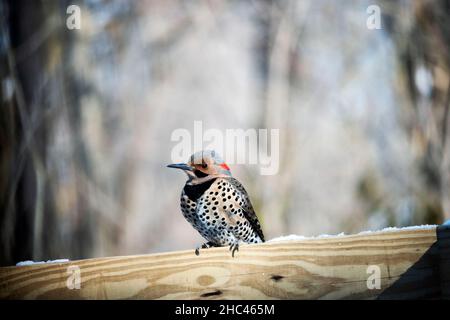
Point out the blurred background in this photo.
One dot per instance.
(86, 117)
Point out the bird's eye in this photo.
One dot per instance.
(204, 165)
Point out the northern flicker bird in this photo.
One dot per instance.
(216, 204)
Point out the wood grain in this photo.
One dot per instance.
(328, 268)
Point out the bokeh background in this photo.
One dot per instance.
(86, 117)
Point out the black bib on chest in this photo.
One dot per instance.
(195, 191)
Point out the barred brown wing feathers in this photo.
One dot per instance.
(247, 208)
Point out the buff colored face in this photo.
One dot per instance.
(203, 164)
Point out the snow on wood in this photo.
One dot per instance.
(30, 262)
(294, 237)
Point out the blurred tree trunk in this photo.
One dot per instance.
(426, 60)
(22, 148)
(34, 60)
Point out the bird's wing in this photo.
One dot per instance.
(247, 207)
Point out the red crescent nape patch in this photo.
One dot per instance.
(224, 165)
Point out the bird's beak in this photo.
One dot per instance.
(182, 166)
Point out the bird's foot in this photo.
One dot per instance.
(234, 247)
(203, 246)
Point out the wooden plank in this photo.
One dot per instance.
(321, 268)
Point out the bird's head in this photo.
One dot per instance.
(203, 166)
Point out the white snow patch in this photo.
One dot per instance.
(294, 237)
(393, 229)
(29, 262)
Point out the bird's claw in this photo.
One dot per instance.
(233, 248)
(203, 246)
